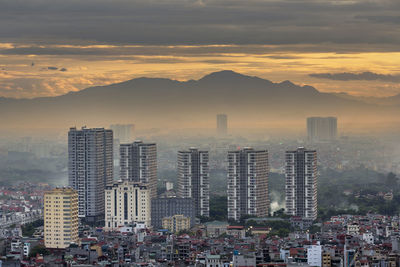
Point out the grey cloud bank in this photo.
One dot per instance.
(200, 22)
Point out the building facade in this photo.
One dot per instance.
(222, 124)
(321, 128)
(248, 171)
(167, 207)
(60, 218)
(301, 183)
(90, 169)
(176, 223)
(127, 203)
(138, 162)
(193, 179)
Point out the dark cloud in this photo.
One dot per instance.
(63, 69)
(365, 76)
(52, 68)
(169, 22)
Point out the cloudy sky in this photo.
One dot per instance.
(51, 47)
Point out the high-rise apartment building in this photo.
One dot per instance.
(301, 183)
(60, 218)
(321, 128)
(193, 179)
(90, 169)
(248, 171)
(127, 203)
(222, 124)
(123, 132)
(138, 162)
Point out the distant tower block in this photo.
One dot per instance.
(321, 129)
(222, 124)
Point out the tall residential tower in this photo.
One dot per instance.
(222, 124)
(248, 172)
(138, 162)
(193, 179)
(321, 128)
(301, 183)
(90, 169)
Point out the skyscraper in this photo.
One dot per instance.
(301, 183)
(60, 218)
(138, 162)
(248, 172)
(193, 179)
(321, 128)
(222, 124)
(90, 169)
(123, 134)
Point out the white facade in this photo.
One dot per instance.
(301, 183)
(193, 179)
(127, 203)
(314, 255)
(368, 238)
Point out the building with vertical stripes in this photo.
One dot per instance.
(90, 169)
(138, 163)
(247, 189)
(193, 179)
(127, 203)
(301, 183)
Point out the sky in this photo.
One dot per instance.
(52, 47)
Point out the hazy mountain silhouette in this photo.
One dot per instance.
(162, 102)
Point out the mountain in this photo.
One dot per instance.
(155, 102)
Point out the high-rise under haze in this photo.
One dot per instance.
(222, 124)
(193, 179)
(301, 183)
(138, 163)
(123, 132)
(90, 169)
(321, 128)
(248, 171)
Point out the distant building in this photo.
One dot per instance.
(90, 169)
(301, 183)
(138, 162)
(321, 128)
(167, 207)
(127, 203)
(222, 124)
(193, 179)
(60, 218)
(248, 171)
(123, 132)
(176, 223)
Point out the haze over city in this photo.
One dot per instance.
(200, 133)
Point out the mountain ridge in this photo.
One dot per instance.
(172, 103)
